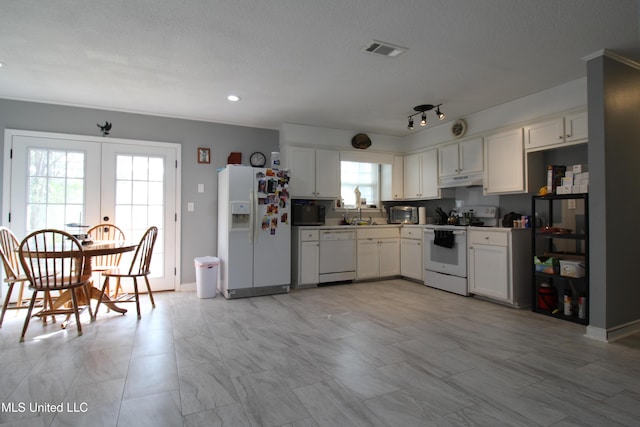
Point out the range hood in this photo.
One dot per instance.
(468, 180)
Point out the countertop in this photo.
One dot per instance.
(333, 227)
(339, 227)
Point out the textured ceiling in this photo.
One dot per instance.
(299, 61)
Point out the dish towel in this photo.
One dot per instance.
(444, 238)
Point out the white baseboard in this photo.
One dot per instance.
(613, 334)
(187, 287)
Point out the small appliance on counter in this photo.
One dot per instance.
(308, 214)
(402, 215)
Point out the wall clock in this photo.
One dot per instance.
(258, 159)
(458, 128)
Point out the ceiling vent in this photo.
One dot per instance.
(384, 49)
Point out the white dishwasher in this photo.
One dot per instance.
(337, 255)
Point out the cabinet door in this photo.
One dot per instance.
(544, 133)
(397, 178)
(302, 162)
(471, 156)
(367, 267)
(309, 263)
(411, 258)
(488, 271)
(448, 159)
(429, 174)
(412, 176)
(327, 168)
(389, 257)
(576, 127)
(504, 157)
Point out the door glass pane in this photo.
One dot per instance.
(55, 188)
(139, 200)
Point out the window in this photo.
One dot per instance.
(361, 175)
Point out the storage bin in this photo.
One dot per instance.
(571, 268)
(547, 265)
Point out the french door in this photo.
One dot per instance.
(56, 181)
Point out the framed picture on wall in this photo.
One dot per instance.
(204, 155)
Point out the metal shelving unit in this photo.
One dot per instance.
(570, 245)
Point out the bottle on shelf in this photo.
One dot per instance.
(567, 302)
(582, 306)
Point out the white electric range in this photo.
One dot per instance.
(445, 249)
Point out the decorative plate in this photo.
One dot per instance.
(361, 141)
(458, 128)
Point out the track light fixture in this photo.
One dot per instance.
(422, 109)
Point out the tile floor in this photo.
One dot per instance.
(387, 353)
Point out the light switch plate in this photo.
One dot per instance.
(200, 188)
(191, 206)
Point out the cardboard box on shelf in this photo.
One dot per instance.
(579, 168)
(581, 175)
(567, 181)
(564, 189)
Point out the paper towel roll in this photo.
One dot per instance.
(422, 215)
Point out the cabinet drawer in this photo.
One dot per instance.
(496, 238)
(411, 233)
(309, 235)
(378, 233)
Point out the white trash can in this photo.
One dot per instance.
(206, 276)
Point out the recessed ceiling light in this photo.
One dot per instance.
(2, 65)
(233, 98)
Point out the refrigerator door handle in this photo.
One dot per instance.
(253, 215)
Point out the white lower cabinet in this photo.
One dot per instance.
(498, 265)
(411, 253)
(306, 257)
(378, 253)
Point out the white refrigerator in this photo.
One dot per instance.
(254, 231)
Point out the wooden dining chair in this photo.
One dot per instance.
(102, 263)
(12, 271)
(53, 260)
(140, 267)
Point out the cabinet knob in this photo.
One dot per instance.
(559, 136)
(486, 238)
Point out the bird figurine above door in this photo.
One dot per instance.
(104, 128)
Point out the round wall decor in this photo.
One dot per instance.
(458, 128)
(361, 141)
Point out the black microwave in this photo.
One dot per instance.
(308, 215)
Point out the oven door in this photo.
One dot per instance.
(442, 259)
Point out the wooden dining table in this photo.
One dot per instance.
(91, 250)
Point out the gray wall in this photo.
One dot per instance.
(614, 191)
(199, 227)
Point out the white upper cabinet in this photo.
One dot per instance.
(576, 127)
(461, 158)
(421, 175)
(392, 180)
(328, 174)
(508, 168)
(314, 173)
(567, 130)
(504, 155)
